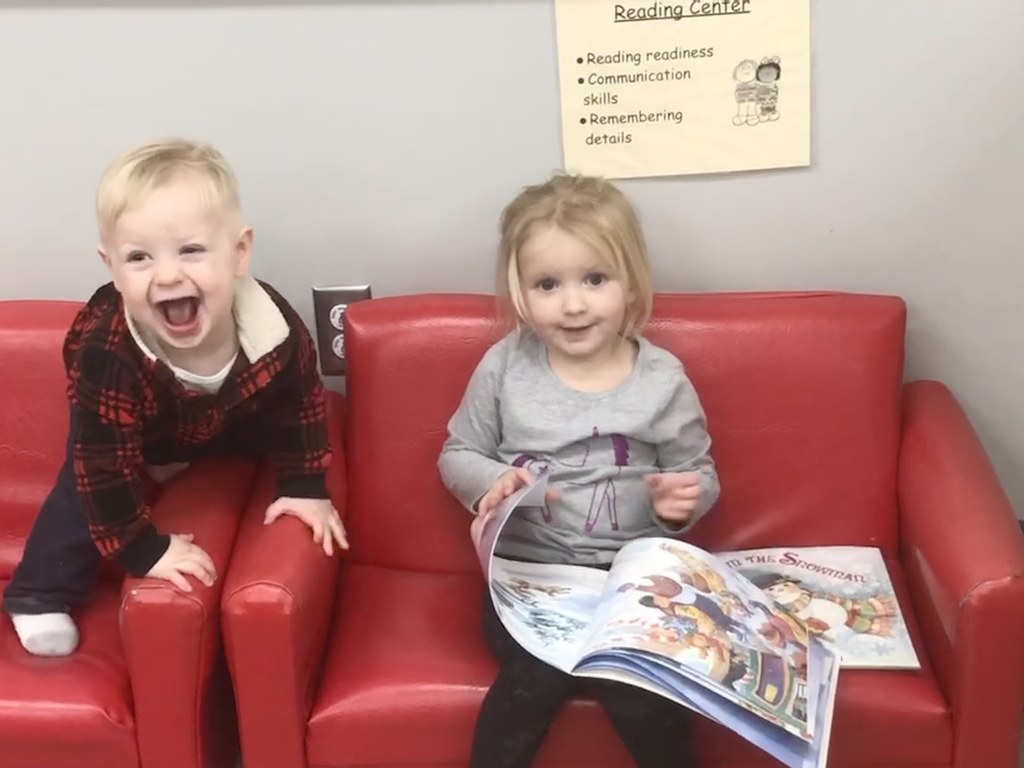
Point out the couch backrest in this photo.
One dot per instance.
(802, 393)
(33, 414)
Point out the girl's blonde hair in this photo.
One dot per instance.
(134, 174)
(589, 208)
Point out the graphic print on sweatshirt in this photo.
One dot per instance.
(600, 450)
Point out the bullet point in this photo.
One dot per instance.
(580, 81)
(583, 121)
(579, 60)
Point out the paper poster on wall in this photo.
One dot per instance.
(701, 86)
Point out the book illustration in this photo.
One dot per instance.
(843, 594)
(546, 607)
(666, 597)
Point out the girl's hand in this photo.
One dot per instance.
(675, 495)
(507, 484)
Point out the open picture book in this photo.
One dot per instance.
(694, 627)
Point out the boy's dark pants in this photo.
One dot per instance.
(59, 567)
(528, 693)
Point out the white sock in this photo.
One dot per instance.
(46, 634)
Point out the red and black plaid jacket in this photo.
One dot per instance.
(130, 411)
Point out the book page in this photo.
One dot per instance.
(547, 608)
(531, 495)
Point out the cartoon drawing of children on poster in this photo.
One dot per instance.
(757, 91)
(768, 73)
(745, 74)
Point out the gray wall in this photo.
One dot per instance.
(376, 142)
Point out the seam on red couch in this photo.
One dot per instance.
(139, 596)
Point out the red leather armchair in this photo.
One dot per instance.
(279, 594)
(147, 685)
(818, 441)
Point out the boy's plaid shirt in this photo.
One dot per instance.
(132, 411)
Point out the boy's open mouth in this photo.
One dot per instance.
(179, 313)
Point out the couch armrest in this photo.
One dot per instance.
(183, 708)
(963, 553)
(277, 607)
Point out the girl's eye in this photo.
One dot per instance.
(189, 249)
(596, 279)
(547, 284)
(135, 256)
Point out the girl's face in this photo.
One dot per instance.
(573, 301)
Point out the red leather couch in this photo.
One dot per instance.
(147, 686)
(818, 441)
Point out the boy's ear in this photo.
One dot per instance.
(105, 258)
(243, 252)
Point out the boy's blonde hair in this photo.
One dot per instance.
(589, 208)
(134, 174)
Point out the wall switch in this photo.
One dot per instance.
(329, 305)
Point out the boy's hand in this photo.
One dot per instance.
(181, 557)
(675, 495)
(318, 514)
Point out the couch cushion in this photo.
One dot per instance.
(407, 669)
(33, 414)
(802, 392)
(72, 712)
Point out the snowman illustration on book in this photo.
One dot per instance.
(828, 614)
